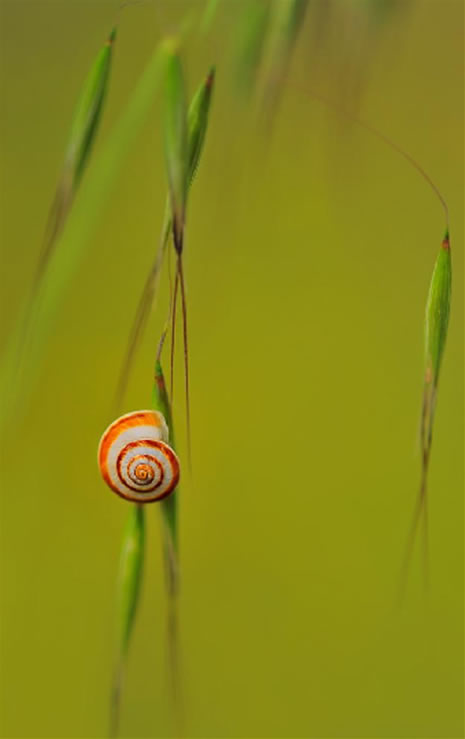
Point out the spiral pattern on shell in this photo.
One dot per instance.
(135, 460)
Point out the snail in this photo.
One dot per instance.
(135, 460)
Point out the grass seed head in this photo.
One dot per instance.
(198, 122)
(88, 111)
(175, 140)
(437, 312)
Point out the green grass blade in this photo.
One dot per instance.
(129, 583)
(92, 197)
(197, 122)
(175, 142)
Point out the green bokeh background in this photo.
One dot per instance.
(308, 260)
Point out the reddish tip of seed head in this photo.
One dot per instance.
(111, 37)
(446, 243)
(211, 77)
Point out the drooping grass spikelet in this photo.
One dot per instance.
(129, 582)
(180, 163)
(197, 122)
(436, 326)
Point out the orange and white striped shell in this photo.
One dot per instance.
(135, 459)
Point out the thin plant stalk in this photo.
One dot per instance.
(169, 510)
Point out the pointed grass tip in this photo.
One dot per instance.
(445, 242)
(210, 78)
(112, 37)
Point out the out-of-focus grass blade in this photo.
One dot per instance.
(209, 15)
(250, 44)
(88, 110)
(436, 326)
(197, 124)
(82, 134)
(130, 577)
(382, 9)
(286, 21)
(84, 126)
(175, 140)
(90, 201)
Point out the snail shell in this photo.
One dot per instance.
(135, 459)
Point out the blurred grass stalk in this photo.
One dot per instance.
(208, 16)
(252, 29)
(84, 126)
(76, 234)
(82, 135)
(287, 19)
